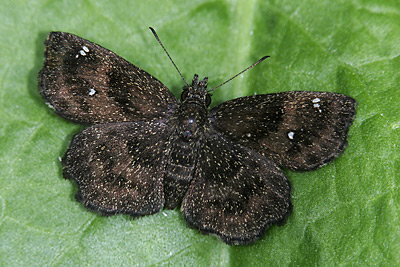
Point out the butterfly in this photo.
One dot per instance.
(144, 150)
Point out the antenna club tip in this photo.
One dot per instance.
(265, 57)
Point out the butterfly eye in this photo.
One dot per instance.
(208, 100)
(184, 95)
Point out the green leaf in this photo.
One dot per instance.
(346, 213)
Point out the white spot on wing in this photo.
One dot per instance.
(92, 92)
(83, 51)
(248, 134)
(316, 103)
(291, 135)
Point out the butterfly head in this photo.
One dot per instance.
(197, 92)
(192, 114)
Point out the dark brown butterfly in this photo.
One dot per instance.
(145, 150)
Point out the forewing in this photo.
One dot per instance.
(236, 193)
(298, 130)
(119, 167)
(87, 83)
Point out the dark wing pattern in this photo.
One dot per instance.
(297, 130)
(87, 83)
(119, 167)
(236, 193)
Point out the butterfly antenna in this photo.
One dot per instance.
(159, 41)
(249, 67)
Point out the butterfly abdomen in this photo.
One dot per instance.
(179, 171)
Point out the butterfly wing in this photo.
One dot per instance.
(297, 130)
(236, 193)
(87, 83)
(119, 167)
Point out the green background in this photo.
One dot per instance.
(346, 213)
